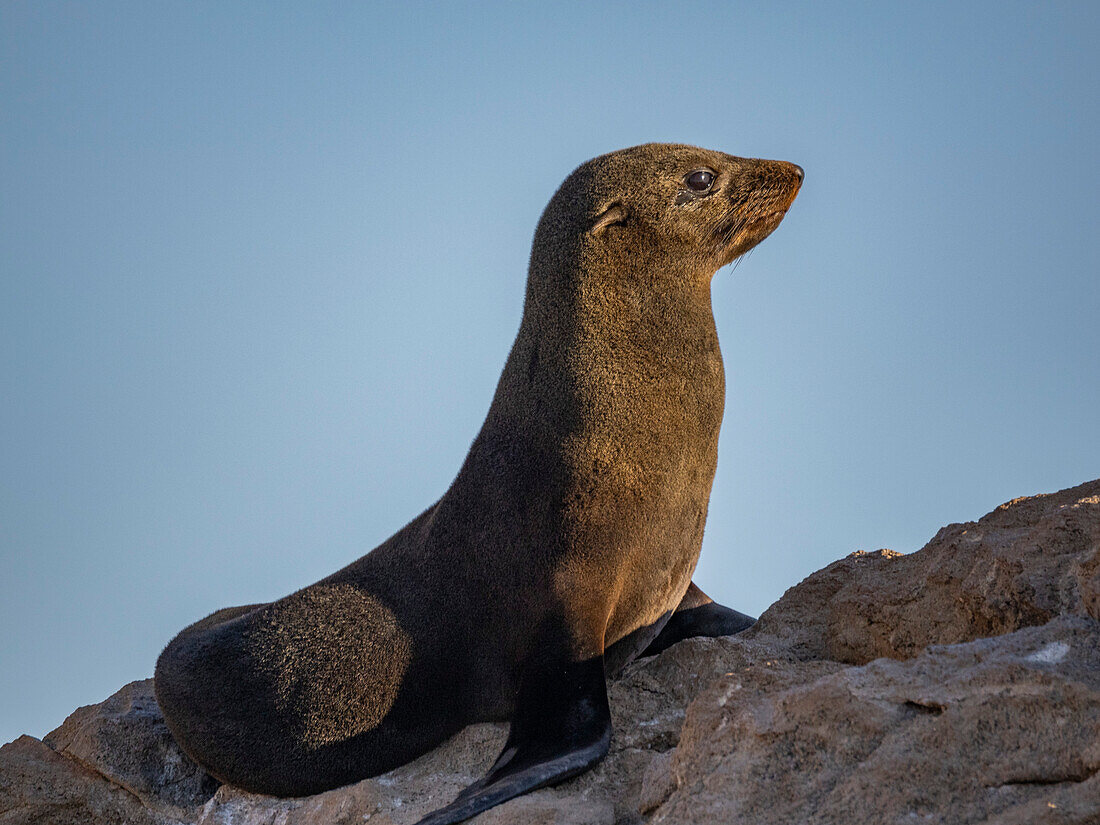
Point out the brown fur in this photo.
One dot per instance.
(574, 523)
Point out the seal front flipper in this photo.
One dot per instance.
(561, 727)
(698, 615)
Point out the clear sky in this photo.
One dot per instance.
(261, 264)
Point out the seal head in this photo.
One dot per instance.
(675, 207)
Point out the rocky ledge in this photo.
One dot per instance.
(958, 684)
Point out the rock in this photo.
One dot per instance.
(959, 684)
(991, 730)
(38, 786)
(1026, 562)
(126, 739)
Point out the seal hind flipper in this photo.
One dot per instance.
(698, 615)
(561, 727)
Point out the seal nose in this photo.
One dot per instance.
(798, 171)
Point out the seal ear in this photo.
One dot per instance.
(614, 215)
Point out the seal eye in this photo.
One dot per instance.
(700, 180)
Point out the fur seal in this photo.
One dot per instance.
(564, 545)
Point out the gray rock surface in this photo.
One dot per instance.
(998, 729)
(958, 684)
(125, 738)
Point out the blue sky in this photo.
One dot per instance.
(261, 264)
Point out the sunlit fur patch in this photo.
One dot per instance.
(754, 217)
(336, 656)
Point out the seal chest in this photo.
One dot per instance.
(563, 549)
